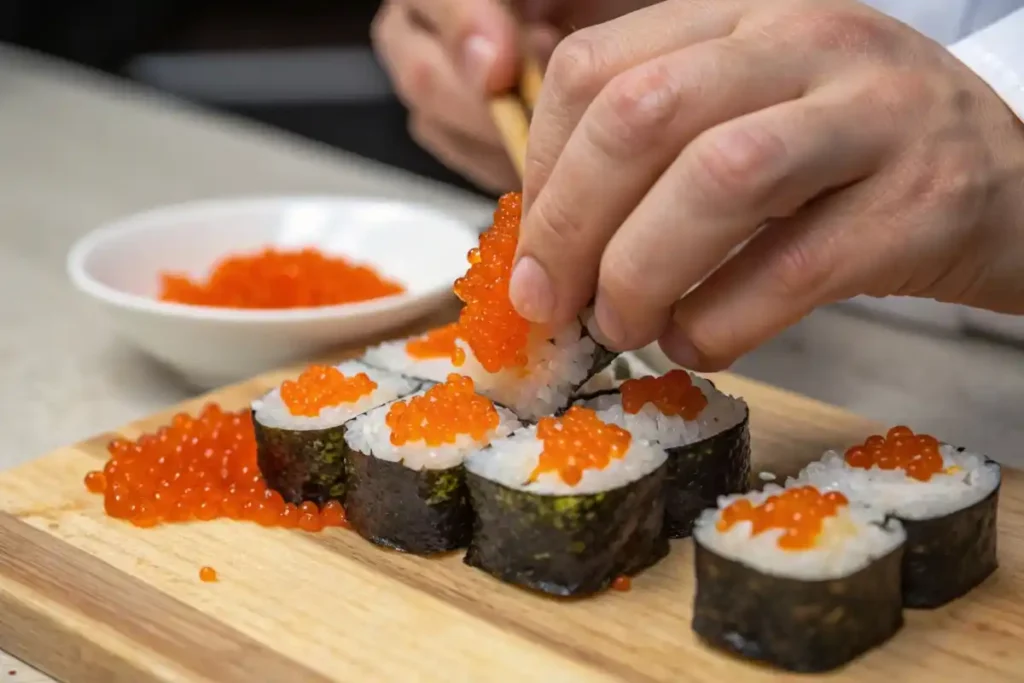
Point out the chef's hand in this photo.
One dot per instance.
(445, 57)
(853, 153)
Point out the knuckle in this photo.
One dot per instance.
(576, 66)
(634, 110)
(798, 268)
(738, 164)
(851, 31)
(555, 223)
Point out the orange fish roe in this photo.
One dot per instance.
(275, 278)
(198, 468)
(622, 583)
(578, 441)
(442, 413)
(207, 574)
(672, 394)
(323, 386)
(917, 454)
(488, 323)
(437, 343)
(799, 512)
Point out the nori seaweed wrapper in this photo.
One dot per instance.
(567, 545)
(701, 472)
(302, 464)
(416, 511)
(796, 625)
(948, 556)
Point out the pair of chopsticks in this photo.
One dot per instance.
(511, 112)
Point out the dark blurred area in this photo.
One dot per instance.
(305, 66)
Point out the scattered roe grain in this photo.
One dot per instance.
(207, 574)
(198, 468)
(275, 279)
(323, 386)
(800, 513)
(442, 414)
(488, 323)
(917, 454)
(578, 441)
(437, 343)
(674, 394)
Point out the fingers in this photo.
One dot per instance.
(824, 255)
(479, 37)
(627, 138)
(727, 183)
(585, 61)
(486, 165)
(425, 79)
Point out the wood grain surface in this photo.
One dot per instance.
(88, 598)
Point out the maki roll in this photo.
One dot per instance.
(406, 481)
(567, 506)
(705, 432)
(797, 578)
(299, 426)
(946, 498)
(531, 369)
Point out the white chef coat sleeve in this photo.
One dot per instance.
(996, 54)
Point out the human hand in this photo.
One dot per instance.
(844, 152)
(445, 57)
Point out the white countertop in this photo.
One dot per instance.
(77, 150)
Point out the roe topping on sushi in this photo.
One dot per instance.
(323, 386)
(196, 468)
(799, 512)
(442, 413)
(488, 323)
(674, 394)
(437, 343)
(917, 454)
(279, 279)
(578, 441)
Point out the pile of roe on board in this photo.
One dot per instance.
(800, 512)
(323, 386)
(199, 468)
(278, 279)
(442, 414)
(672, 394)
(488, 323)
(577, 441)
(917, 454)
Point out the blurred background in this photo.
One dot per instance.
(302, 65)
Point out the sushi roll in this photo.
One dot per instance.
(705, 432)
(406, 480)
(797, 578)
(946, 498)
(566, 506)
(299, 426)
(530, 369)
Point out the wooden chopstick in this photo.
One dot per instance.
(511, 113)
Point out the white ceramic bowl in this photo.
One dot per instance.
(118, 265)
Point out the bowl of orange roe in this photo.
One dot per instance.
(222, 290)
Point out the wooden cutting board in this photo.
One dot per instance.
(88, 598)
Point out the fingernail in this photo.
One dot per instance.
(610, 332)
(680, 351)
(530, 291)
(478, 55)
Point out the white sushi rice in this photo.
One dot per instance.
(270, 410)
(370, 434)
(511, 460)
(970, 479)
(393, 356)
(556, 367)
(850, 541)
(672, 431)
